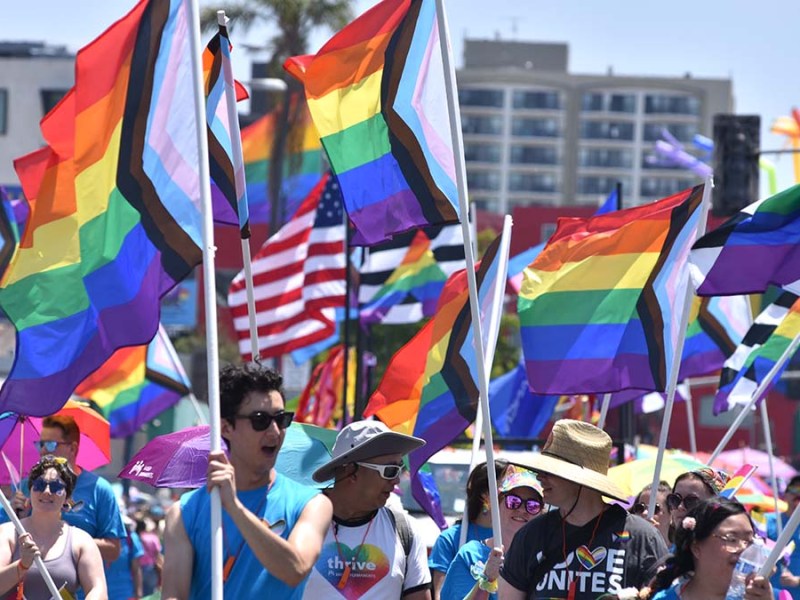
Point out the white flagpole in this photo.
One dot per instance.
(238, 170)
(601, 423)
(771, 458)
(762, 388)
(209, 288)
(461, 182)
(783, 539)
(493, 330)
(48, 580)
(690, 419)
(676, 359)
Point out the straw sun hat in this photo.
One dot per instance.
(578, 452)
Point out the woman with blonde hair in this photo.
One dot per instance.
(70, 555)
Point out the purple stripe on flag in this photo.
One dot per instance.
(575, 376)
(380, 220)
(726, 276)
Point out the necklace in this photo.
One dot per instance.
(346, 573)
(573, 585)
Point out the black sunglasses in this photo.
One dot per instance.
(260, 420)
(57, 487)
(675, 500)
(640, 508)
(532, 506)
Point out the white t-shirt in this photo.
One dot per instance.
(378, 568)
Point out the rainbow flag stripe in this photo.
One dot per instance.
(114, 220)
(302, 168)
(375, 91)
(137, 384)
(600, 306)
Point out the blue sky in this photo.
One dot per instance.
(752, 43)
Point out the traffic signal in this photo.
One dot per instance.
(737, 141)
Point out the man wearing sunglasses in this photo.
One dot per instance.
(787, 578)
(95, 506)
(370, 551)
(272, 526)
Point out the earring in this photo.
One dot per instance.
(485, 507)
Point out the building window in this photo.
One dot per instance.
(486, 204)
(591, 184)
(532, 182)
(481, 125)
(605, 157)
(50, 98)
(592, 102)
(535, 127)
(683, 132)
(3, 111)
(624, 103)
(489, 98)
(660, 187)
(671, 105)
(537, 100)
(534, 155)
(489, 153)
(606, 130)
(483, 180)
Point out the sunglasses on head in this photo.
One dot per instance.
(261, 420)
(675, 500)
(56, 486)
(640, 508)
(532, 506)
(49, 445)
(388, 472)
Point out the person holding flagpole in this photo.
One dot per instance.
(272, 526)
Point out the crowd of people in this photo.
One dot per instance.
(568, 531)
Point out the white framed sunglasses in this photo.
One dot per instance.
(388, 472)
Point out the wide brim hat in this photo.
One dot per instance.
(579, 452)
(363, 440)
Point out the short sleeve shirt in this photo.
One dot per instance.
(446, 546)
(623, 553)
(465, 570)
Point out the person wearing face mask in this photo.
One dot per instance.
(473, 573)
(371, 551)
(689, 490)
(708, 543)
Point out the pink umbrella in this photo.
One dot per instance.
(733, 459)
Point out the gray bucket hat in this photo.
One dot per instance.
(363, 440)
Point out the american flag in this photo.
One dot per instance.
(298, 278)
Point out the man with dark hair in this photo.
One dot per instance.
(371, 551)
(787, 578)
(272, 526)
(96, 510)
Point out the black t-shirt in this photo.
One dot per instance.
(623, 554)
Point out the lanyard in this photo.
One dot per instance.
(346, 573)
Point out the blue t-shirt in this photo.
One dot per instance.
(118, 574)
(668, 594)
(248, 578)
(465, 570)
(446, 545)
(794, 560)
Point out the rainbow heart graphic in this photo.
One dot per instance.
(368, 565)
(590, 558)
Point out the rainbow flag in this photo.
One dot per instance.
(716, 326)
(137, 384)
(228, 193)
(418, 278)
(600, 306)
(114, 220)
(302, 166)
(737, 480)
(770, 335)
(429, 388)
(376, 93)
(758, 246)
(321, 403)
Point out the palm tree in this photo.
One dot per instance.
(292, 21)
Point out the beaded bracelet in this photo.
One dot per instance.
(487, 585)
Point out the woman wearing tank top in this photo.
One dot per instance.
(70, 555)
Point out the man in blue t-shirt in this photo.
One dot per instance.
(787, 578)
(272, 527)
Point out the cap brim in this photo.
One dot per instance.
(541, 463)
(388, 442)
